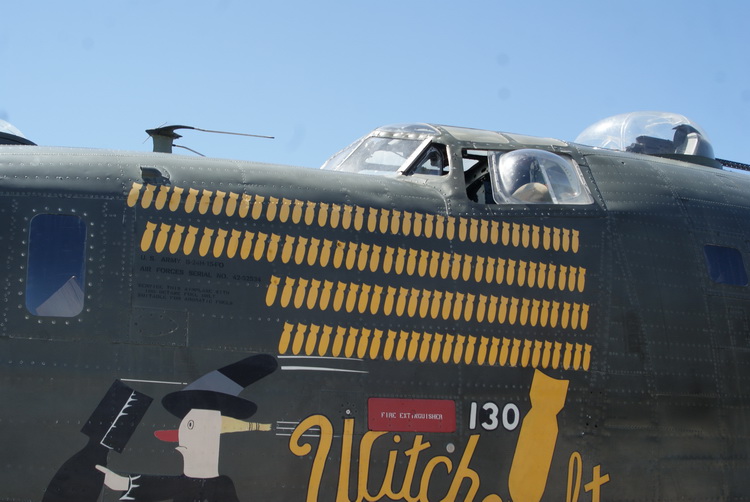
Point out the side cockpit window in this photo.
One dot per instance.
(725, 265)
(531, 176)
(56, 265)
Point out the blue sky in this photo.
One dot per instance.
(317, 75)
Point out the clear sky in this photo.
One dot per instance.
(319, 74)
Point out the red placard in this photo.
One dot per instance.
(411, 415)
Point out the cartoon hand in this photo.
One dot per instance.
(113, 480)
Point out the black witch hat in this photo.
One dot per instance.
(219, 389)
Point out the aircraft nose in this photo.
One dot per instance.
(168, 436)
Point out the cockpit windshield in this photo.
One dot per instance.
(387, 151)
(651, 133)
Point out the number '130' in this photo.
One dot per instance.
(492, 416)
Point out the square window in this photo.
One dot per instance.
(725, 265)
(56, 266)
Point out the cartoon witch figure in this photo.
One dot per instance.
(208, 408)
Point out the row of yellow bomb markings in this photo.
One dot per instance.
(351, 297)
(361, 256)
(314, 340)
(356, 217)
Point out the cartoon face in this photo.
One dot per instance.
(199, 437)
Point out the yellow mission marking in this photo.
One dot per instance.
(359, 218)
(362, 256)
(412, 302)
(391, 345)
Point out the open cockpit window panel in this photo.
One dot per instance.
(530, 176)
(725, 265)
(477, 176)
(56, 265)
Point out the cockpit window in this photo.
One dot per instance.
(391, 150)
(433, 161)
(375, 155)
(531, 176)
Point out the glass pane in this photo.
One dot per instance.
(57, 258)
(725, 265)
